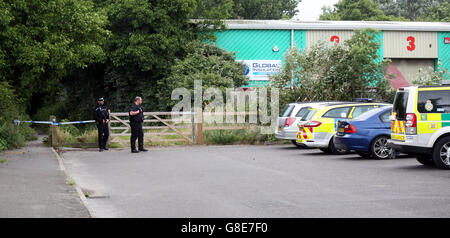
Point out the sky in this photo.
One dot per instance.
(310, 10)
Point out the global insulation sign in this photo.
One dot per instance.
(261, 69)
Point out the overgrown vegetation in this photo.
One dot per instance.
(340, 72)
(215, 67)
(11, 135)
(388, 10)
(250, 136)
(431, 77)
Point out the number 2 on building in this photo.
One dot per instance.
(412, 45)
(335, 39)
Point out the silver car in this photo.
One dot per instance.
(290, 116)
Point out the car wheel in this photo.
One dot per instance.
(298, 145)
(425, 160)
(380, 148)
(363, 154)
(336, 151)
(441, 153)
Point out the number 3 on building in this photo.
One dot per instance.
(412, 45)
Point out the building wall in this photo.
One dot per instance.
(410, 45)
(404, 71)
(255, 44)
(443, 52)
(328, 37)
(260, 44)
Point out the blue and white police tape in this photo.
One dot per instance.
(17, 122)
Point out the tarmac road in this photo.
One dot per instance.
(256, 181)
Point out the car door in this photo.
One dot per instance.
(385, 121)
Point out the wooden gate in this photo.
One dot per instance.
(156, 124)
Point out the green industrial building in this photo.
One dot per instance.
(261, 44)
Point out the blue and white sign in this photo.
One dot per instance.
(261, 69)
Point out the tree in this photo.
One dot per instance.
(437, 13)
(41, 42)
(146, 38)
(206, 62)
(356, 10)
(264, 9)
(409, 9)
(341, 72)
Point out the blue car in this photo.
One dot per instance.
(367, 134)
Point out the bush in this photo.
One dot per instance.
(337, 73)
(12, 136)
(431, 77)
(250, 136)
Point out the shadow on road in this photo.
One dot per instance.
(357, 157)
(419, 167)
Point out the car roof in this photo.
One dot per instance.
(318, 103)
(354, 104)
(371, 113)
(437, 87)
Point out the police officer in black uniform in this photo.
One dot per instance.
(136, 113)
(101, 115)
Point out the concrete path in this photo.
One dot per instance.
(32, 185)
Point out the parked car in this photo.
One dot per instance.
(420, 123)
(319, 130)
(367, 134)
(291, 115)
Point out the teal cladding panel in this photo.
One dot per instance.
(255, 44)
(444, 51)
(300, 39)
(379, 39)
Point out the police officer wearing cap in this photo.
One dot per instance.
(136, 113)
(101, 116)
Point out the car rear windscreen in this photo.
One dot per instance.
(309, 115)
(286, 112)
(302, 112)
(400, 103)
(436, 101)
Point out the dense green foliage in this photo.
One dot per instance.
(244, 136)
(246, 9)
(213, 66)
(417, 10)
(42, 41)
(146, 37)
(356, 10)
(389, 10)
(264, 9)
(340, 72)
(437, 13)
(12, 136)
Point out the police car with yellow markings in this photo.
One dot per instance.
(319, 129)
(420, 123)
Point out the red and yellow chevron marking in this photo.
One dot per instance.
(307, 133)
(399, 127)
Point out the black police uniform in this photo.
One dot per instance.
(136, 127)
(101, 114)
